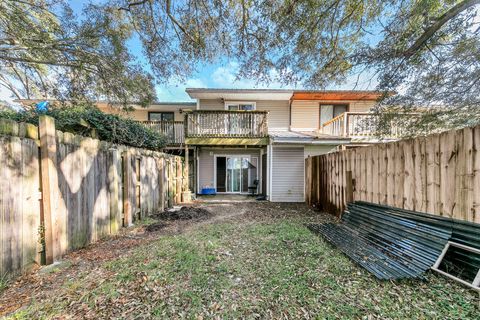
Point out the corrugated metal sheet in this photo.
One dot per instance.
(463, 232)
(388, 243)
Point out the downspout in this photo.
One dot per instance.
(290, 114)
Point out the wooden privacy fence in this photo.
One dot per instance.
(60, 191)
(438, 174)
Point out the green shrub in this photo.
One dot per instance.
(90, 121)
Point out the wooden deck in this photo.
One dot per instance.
(226, 124)
(173, 130)
(359, 126)
(219, 127)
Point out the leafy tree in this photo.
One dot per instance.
(48, 52)
(426, 50)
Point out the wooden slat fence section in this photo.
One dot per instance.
(90, 193)
(438, 174)
(19, 203)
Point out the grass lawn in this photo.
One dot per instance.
(265, 266)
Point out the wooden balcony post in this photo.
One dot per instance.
(345, 124)
(187, 173)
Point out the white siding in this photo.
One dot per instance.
(206, 166)
(278, 110)
(306, 114)
(361, 106)
(278, 113)
(142, 114)
(288, 174)
(211, 104)
(205, 169)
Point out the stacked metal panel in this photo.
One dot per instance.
(463, 232)
(393, 243)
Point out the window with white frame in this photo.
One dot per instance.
(240, 106)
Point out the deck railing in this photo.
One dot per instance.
(174, 131)
(226, 124)
(359, 125)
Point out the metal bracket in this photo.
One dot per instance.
(476, 282)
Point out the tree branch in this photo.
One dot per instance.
(430, 31)
(133, 4)
(175, 22)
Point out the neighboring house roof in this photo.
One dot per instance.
(239, 94)
(281, 94)
(257, 94)
(337, 95)
(176, 103)
(155, 103)
(310, 137)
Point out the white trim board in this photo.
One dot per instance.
(229, 103)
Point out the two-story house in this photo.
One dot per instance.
(256, 140)
(243, 141)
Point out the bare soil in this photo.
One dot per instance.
(184, 213)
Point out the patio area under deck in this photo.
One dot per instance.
(226, 198)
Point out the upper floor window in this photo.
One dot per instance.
(330, 111)
(240, 106)
(161, 116)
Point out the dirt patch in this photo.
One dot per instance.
(155, 226)
(185, 213)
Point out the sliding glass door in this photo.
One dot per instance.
(234, 173)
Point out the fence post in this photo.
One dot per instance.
(179, 181)
(114, 190)
(49, 183)
(127, 176)
(160, 162)
(170, 182)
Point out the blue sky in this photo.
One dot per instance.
(218, 75)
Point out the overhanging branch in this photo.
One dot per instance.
(430, 31)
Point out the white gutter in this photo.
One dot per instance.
(269, 172)
(311, 142)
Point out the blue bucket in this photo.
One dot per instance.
(208, 191)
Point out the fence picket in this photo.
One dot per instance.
(92, 188)
(439, 174)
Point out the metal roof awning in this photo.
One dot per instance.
(305, 138)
